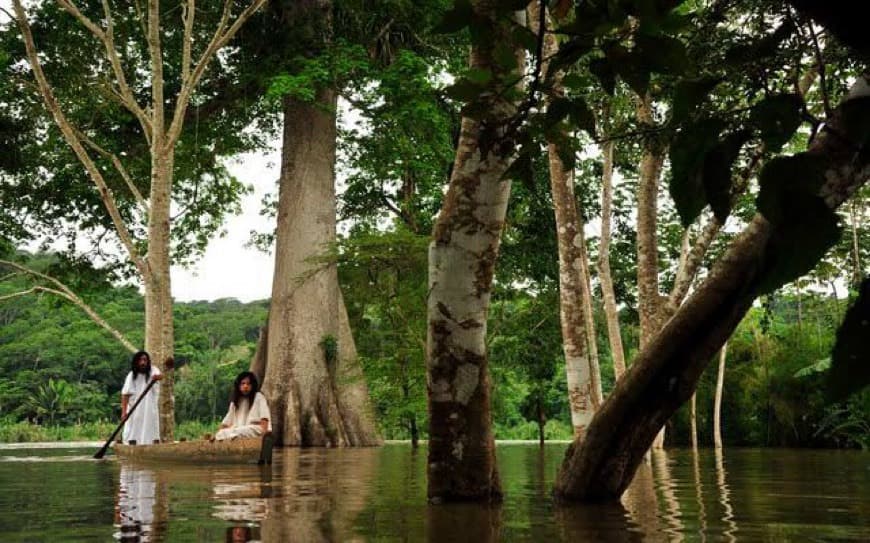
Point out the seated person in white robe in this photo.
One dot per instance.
(248, 415)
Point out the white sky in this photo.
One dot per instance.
(229, 269)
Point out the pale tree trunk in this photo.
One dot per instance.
(717, 402)
(589, 317)
(159, 324)
(162, 137)
(583, 398)
(693, 415)
(666, 372)
(611, 312)
(310, 350)
(462, 255)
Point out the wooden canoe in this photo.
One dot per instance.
(250, 450)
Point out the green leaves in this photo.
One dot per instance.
(850, 359)
(576, 109)
(689, 94)
(455, 18)
(716, 173)
(687, 153)
(804, 228)
(777, 117)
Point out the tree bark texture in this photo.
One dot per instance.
(648, 296)
(583, 396)
(666, 372)
(310, 350)
(611, 312)
(159, 323)
(462, 255)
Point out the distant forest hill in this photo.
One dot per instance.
(59, 368)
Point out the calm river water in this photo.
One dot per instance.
(61, 494)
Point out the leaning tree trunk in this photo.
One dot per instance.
(666, 372)
(309, 349)
(717, 402)
(462, 256)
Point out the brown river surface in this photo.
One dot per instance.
(60, 493)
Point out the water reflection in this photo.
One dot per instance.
(322, 491)
(141, 510)
(668, 488)
(730, 527)
(380, 495)
(244, 501)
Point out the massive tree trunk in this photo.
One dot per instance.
(666, 372)
(462, 256)
(717, 402)
(310, 351)
(611, 312)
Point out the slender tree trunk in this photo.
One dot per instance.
(855, 218)
(589, 318)
(693, 415)
(542, 422)
(648, 297)
(309, 350)
(159, 326)
(717, 403)
(462, 254)
(583, 395)
(611, 312)
(666, 372)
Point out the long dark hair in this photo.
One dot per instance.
(147, 371)
(237, 394)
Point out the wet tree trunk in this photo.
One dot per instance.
(462, 255)
(666, 372)
(717, 402)
(310, 352)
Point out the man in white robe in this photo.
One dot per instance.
(143, 426)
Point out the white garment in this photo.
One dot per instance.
(138, 491)
(144, 424)
(244, 420)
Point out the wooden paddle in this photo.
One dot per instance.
(170, 363)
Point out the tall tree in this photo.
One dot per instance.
(311, 375)
(160, 126)
(584, 382)
(462, 254)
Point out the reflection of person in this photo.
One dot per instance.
(241, 534)
(143, 426)
(135, 512)
(248, 415)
